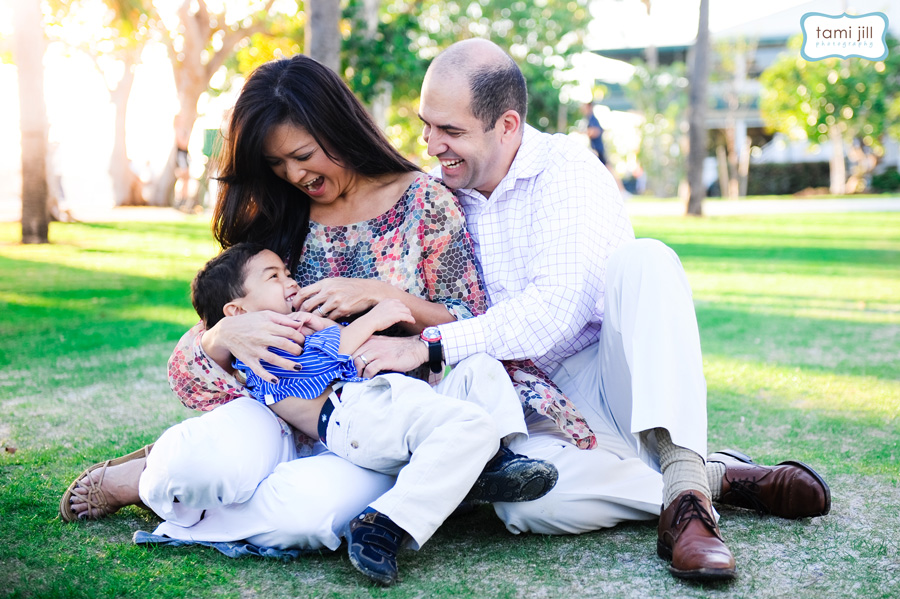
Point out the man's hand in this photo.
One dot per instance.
(398, 354)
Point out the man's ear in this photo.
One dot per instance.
(510, 124)
(233, 309)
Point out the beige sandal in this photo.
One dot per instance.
(94, 497)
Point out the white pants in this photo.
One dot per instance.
(645, 372)
(232, 474)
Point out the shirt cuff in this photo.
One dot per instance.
(463, 338)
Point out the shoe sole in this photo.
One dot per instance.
(703, 574)
(511, 486)
(371, 575)
(359, 567)
(65, 508)
(742, 457)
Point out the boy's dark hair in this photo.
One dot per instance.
(221, 280)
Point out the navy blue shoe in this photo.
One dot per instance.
(513, 477)
(372, 544)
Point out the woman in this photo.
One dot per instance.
(307, 174)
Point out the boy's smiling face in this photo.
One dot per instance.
(268, 286)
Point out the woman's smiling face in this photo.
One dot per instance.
(293, 155)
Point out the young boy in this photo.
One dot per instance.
(437, 445)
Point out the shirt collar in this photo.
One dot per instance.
(530, 160)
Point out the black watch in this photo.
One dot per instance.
(432, 338)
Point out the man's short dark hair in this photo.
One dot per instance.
(221, 280)
(496, 89)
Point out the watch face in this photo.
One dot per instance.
(431, 334)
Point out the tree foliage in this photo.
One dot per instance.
(541, 36)
(384, 56)
(393, 55)
(847, 98)
(283, 37)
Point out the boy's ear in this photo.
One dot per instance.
(233, 309)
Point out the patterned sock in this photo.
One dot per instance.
(715, 472)
(682, 469)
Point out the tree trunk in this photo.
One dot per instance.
(744, 167)
(29, 57)
(384, 90)
(193, 66)
(323, 34)
(119, 164)
(837, 170)
(697, 114)
(164, 192)
(191, 80)
(651, 53)
(724, 175)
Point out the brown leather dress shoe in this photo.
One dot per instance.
(690, 538)
(789, 490)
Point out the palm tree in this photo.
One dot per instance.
(29, 58)
(323, 34)
(699, 75)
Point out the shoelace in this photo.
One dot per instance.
(748, 490)
(689, 508)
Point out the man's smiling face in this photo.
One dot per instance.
(469, 155)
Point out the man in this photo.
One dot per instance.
(594, 130)
(609, 318)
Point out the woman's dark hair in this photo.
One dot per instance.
(256, 205)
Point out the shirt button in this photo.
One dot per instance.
(354, 444)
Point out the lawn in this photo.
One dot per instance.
(800, 324)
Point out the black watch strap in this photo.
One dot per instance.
(435, 356)
(432, 338)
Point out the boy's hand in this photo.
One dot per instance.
(340, 297)
(389, 312)
(311, 323)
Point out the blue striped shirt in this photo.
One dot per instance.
(322, 365)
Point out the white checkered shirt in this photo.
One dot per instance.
(542, 240)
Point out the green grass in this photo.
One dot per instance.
(800, 324)
(774, 197)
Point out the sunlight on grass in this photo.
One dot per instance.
(154, 250)
(785, 387)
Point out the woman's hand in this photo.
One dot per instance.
(340, 297)
(248, 337)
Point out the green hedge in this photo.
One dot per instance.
(788, 178)
(889, 180)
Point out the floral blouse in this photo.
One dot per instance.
(420, 246)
